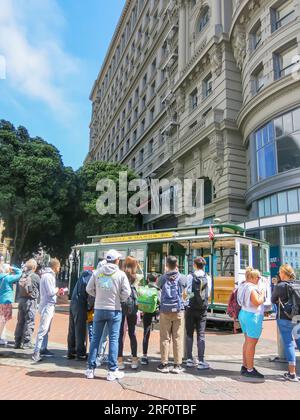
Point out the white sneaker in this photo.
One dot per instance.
(135, 364)
(3, 342)
(203, 366)
(113, 376)
(190, 363)
(90, 374)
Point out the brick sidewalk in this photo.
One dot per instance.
(61, 379)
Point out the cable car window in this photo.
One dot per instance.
(244, 256)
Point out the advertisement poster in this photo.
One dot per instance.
(291, 256)
(89, 261)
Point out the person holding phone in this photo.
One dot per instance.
(251, 298)
(48, 293)
(8, 277)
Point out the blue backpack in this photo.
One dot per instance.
(171, 295)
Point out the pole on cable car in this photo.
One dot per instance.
(190, 270)
(212, 251)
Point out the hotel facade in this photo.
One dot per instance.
(210, 90)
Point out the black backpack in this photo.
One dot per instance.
(199, 301)
(292, 307)
(130, 307)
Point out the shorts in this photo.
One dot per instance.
(6, 312)
(252, 324)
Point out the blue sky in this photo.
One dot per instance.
(53, 51)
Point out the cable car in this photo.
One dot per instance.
(226, 248)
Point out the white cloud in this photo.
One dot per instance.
(31, 42)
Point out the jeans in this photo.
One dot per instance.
(131, 322)
(113, 320)
(195, 321)
(286, 330)
(47, 314)
(104, 338)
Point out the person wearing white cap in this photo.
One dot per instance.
(110, 287)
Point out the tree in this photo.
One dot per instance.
(35, 190)
(90, 221)
(45, 203)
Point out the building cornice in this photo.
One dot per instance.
(266, 97)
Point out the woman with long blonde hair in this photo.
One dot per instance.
(285, 323)
(251, 298)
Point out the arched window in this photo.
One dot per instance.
(204, 18)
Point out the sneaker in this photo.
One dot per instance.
(243, 370)
(190, 363)
(114, 376)
(163, 368)
(18, 346)
(177, 369)
(121, 365)
(90, 374)
(253, 375)
(145, 361)
(47, 353)
(37, 358)
(27, 346)
(135, 363)
(71, 356)
(3, 342)
(80, 358)
(203, 366)
(291, 378)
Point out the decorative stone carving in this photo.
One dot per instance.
(181, 99)
(213, 167)
(216, 58)
(239, 45)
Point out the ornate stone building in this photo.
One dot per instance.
(207, 90)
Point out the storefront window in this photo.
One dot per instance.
(291, 248)
(272, 236)
(281, 203)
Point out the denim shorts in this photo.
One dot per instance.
(252, 324)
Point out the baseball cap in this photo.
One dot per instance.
(112, 255)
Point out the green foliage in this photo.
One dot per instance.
(45, 203)
(91, 223)
(34, 190)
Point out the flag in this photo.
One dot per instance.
(211, 233)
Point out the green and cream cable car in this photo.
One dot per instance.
(228, 253)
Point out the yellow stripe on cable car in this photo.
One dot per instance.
(142, 237)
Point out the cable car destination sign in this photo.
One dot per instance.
(142, 237)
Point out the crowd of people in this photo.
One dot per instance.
(109, 301)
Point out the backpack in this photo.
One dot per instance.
(234, 307)
(199, 301)
(147, 299)
(292, 307)
(26, 286)
(171, 296)
(130, 307)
